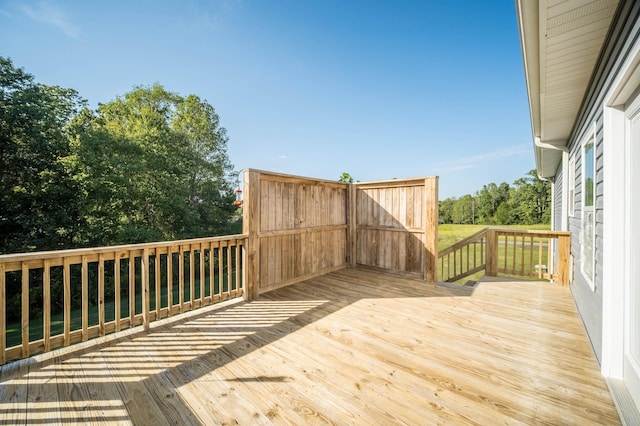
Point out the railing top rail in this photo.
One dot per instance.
(295, 178)
(418, 181)
(470, 239)
(531, 232)
(17, 257)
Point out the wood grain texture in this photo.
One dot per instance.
(298, 228)
(396, 225)
(355, 346)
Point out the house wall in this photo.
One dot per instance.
(623, 33)
(588, 299)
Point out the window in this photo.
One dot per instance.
(588, 211)
(571, 182)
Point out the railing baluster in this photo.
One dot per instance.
(169, 281)
(192, 274)
(220, 271)
(211, 270)
(116, 290)
(531, 255)
(506, 248)
(66, 277)
(101, 294)
(156, 282)
(540, 258)
(202, 274)
(46, 307)
(132, 289)
(228, 250)
(513, 253)
(181, 278)
(522, 266)
(3, 317)
(144, 284)
(25, 310)
(237, 266)
(85, 298)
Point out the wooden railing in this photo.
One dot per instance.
(508, 251)
(464, 258)
(71, 296)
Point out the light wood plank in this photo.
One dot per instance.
(356, 346)
(3, 318)
(25, 310)
(46, 305)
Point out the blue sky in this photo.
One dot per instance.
(379, 89)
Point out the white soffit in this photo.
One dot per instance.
(561, 41)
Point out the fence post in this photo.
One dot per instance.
(251, 227)
(564, 251)
(352, 235)
(431, 229)
(492, 253)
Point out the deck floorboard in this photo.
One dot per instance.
(352, 347)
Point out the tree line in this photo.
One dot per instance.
(150, 165)
(527, 202)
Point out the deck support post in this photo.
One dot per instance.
(492, 253)
(251, 227)
(431, 229)
(352, 235)
(564, 251)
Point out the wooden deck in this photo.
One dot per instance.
(352, 347)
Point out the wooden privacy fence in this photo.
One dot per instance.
(71, 296)
(301, 227)
(397, 225)
(296, 227)
(512, 252)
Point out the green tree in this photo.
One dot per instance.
(153, 166)
(463, 210)
(346, 178)
(488, 199)
(531, 197)
(38, 194)
(445, 210)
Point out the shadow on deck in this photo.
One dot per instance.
(354, 346)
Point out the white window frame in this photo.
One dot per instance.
(571, 182)
(588, 211)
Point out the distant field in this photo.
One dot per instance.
(451, 234)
